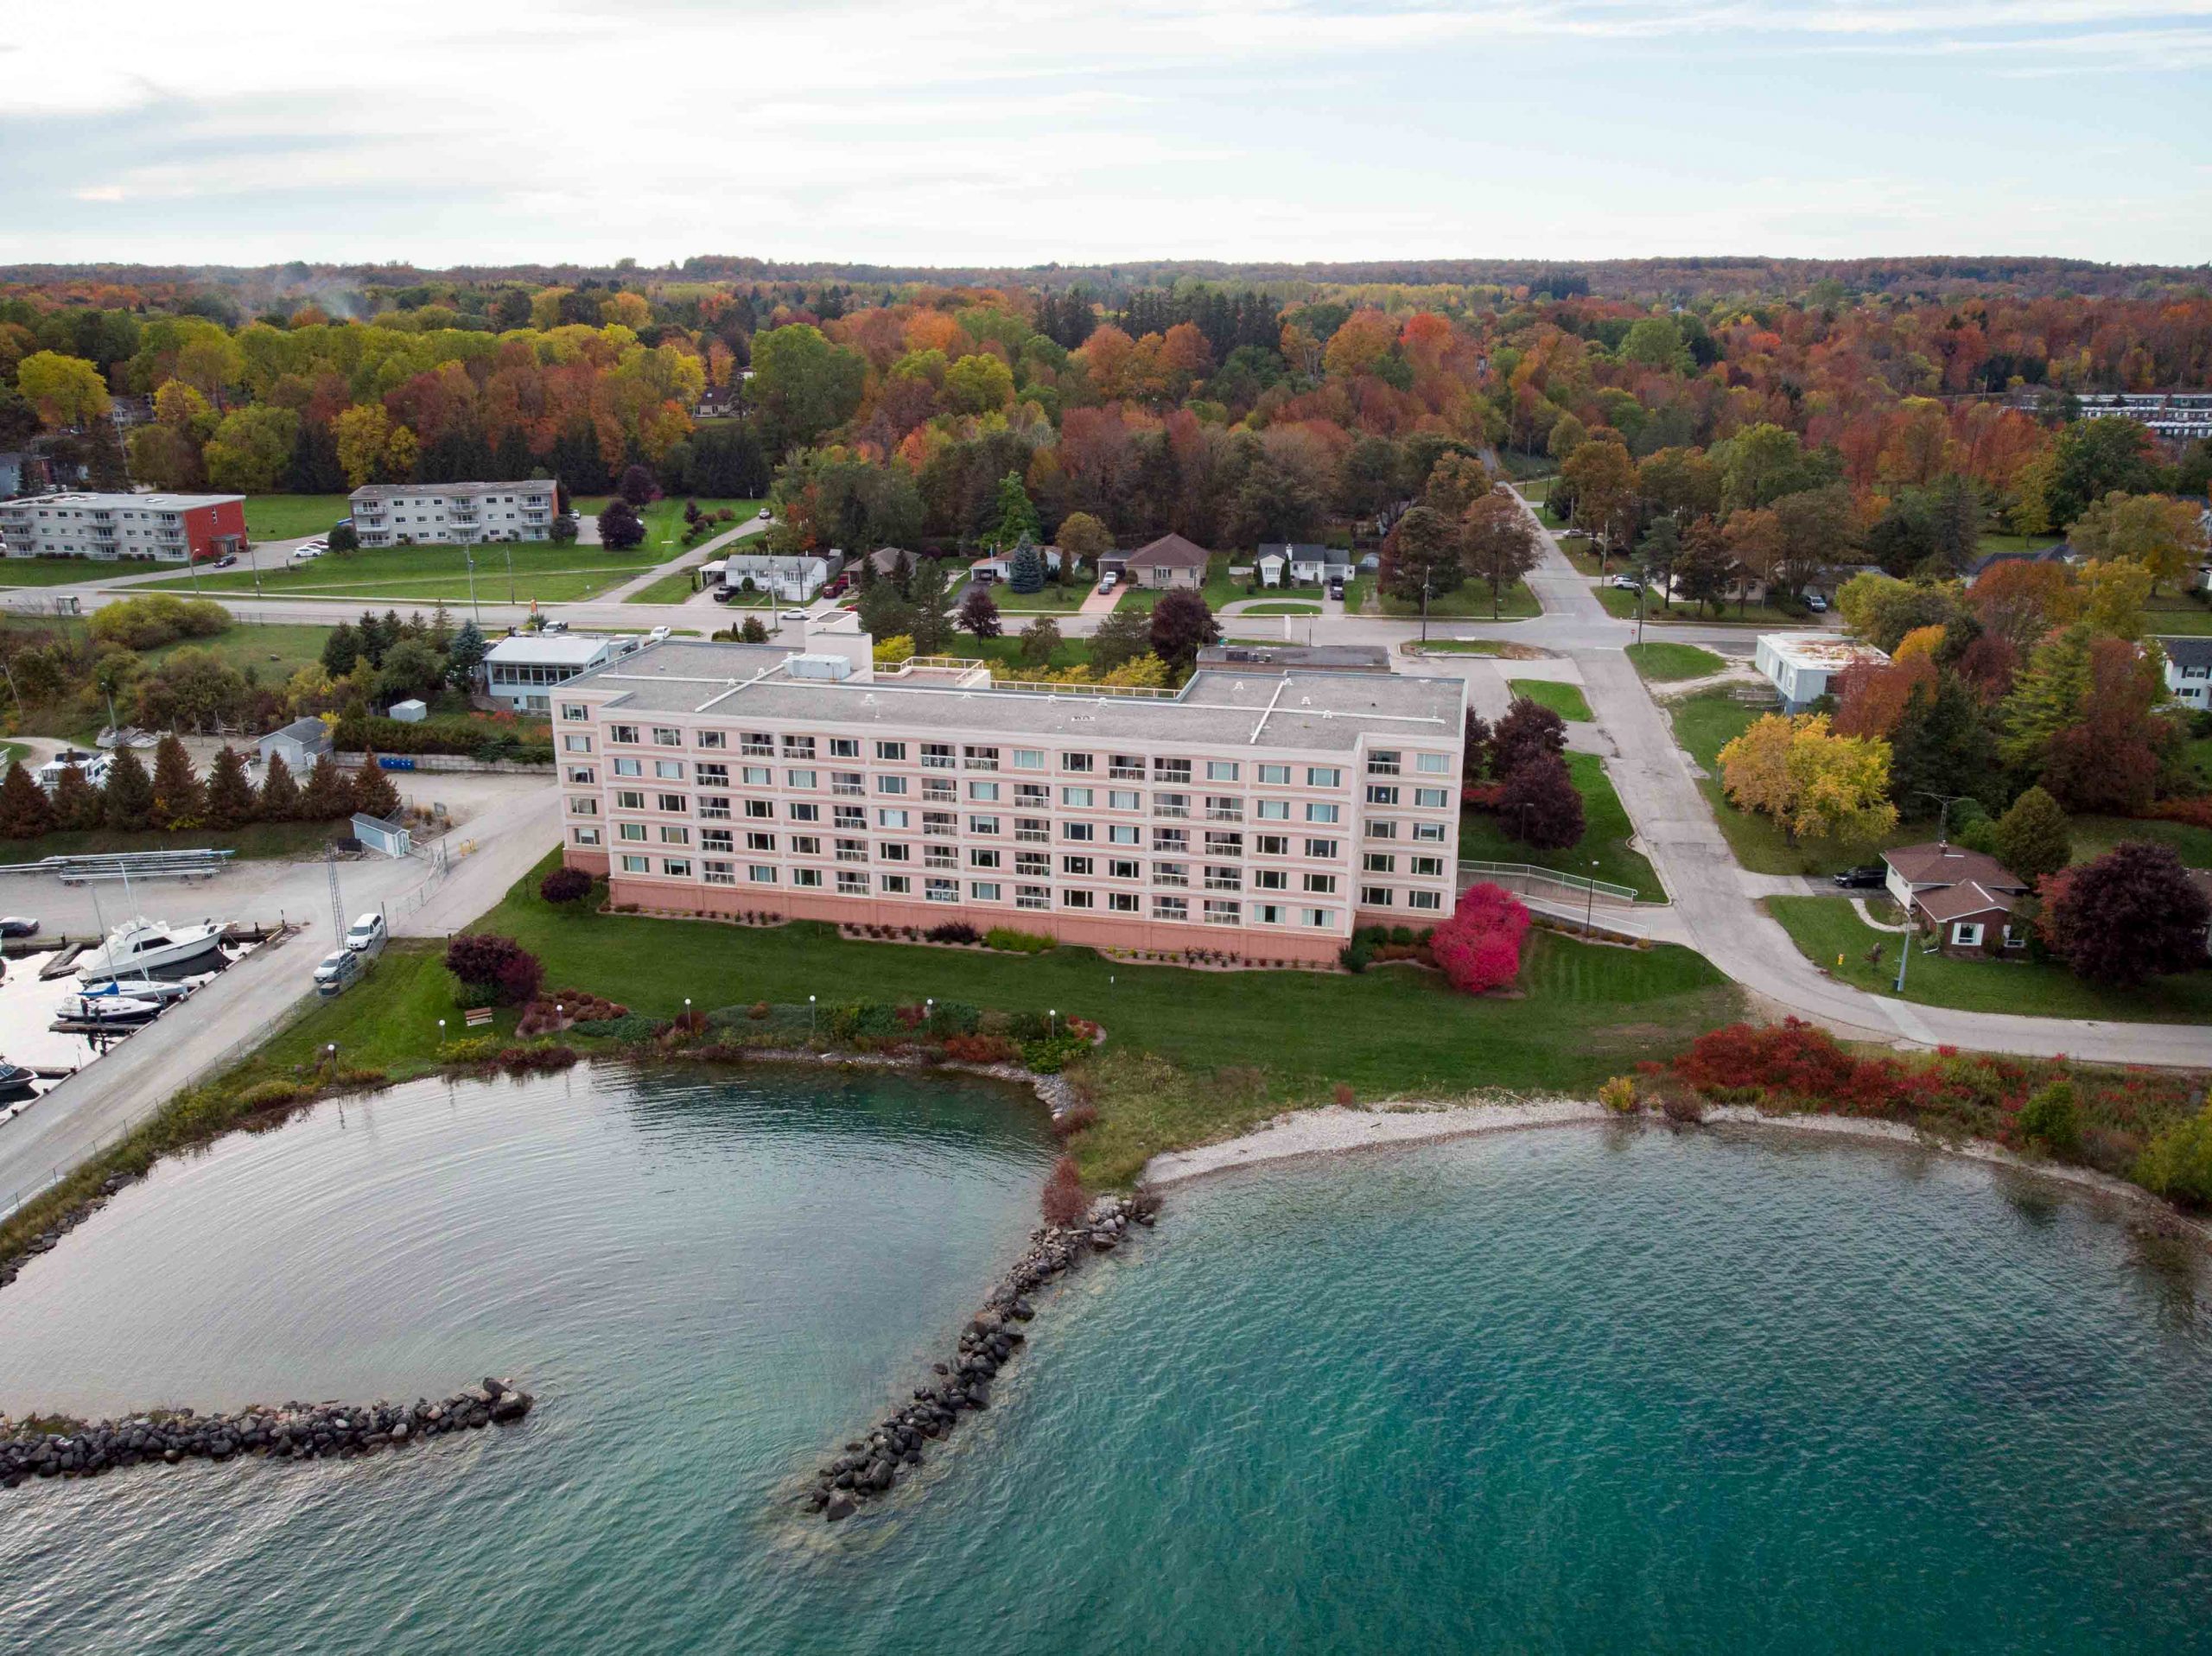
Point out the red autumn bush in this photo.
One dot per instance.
(1479, 947)
(2197, 812)
(1063, 1201)
(979, 1048)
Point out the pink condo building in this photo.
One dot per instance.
(1263, 809)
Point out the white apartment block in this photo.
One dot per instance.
(83, 523)
(1263, 814)
(393, 514)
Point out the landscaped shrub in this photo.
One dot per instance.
(2178, 1164)
(1077, 1118)
(979, 1048)
(629, 1026)
(1019, 942)
(1052, 1054)
(2050, 1118)
(1064, 1202)
(565, 885)
(485, 961)
(954, 931)
(953, 1018)
(1479, 947)
(1618, 1096)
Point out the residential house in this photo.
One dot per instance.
(1298, 563)
(299, 744)
(2188, 671)
(1981, 566)
(1802, 665)
(998, 566)
(1964, 899)
(793, 576)
(1171, 561)
(22, 473)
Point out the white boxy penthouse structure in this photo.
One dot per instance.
(1263, 813)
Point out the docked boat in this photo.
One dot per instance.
(105, 1009)
(161, 990)
(15, 1081)
(143, 948)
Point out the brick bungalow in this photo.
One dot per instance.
(1171, 561)
(1964, 899)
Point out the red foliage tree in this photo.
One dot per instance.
(1538, 804)
(565, 885)
(2132, 912)
(1479, 947)
(486, 962)
(1528, 728)
(1181, 624)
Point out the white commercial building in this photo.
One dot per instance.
(1802, 665)
(522, 672)
(394, 514)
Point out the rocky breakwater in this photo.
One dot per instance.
(44, 1447)
(870, 1467)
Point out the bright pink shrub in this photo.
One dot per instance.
(1479, 947)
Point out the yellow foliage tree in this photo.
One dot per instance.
(2162, 534)
(1755, 767)
(1816, 784)
(1921, 641)
(2113, 592)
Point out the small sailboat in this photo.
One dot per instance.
(105, 1009)
(140, 948)
(162, 990)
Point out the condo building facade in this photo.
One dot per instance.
(1261, 813)
(83, 523)
(390, 514)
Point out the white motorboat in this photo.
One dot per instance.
(106, 1009)
(161, 990)
(140, 948)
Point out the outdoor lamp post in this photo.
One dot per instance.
(1590, 900)
(809, 1017)
(1054, 1021)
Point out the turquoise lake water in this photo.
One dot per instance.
(1575, 1390)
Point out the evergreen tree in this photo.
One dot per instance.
(280, 793)
(2046, 698)
(441, 632)
(1014, 518)
(329, 793)
(2032, 839)
(374, 639)
(465, 656)
(230, 800)
(127, 802)
(25, 811)
(930, 626)
(1026, 570)
(178, 799)
(77, 804)
(374, 793)
(342, 649)
(1943, 746)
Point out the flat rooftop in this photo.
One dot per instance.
(1335, 658)
(1219, 707)
(154, 502)
(1819, 650)
(415, 490)
(547, 649)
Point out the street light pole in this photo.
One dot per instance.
(469, 558)
(1589, 902)
(1424, 606)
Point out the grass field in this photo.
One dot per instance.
(1824, 927)
(2177, 614)
(1564, 699)
(1047, 599)
(678, 586)
(293, 516)
(255, 840)
(275, 651)
(664, 521)
(1605, 842)
(1536, 490)
(2095, 836)
(408, 574)
(1993, 541)
(1470, 602)
(1623, 604)
(1664, 663)
(68, 572)
(1279, 609)
(1469, 647)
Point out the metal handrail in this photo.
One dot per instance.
(1532, 873)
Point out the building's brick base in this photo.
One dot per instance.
(670, 897)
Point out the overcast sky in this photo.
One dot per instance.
(956, 131)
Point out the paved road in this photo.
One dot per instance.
(516, 823)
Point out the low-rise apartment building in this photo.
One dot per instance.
(1264, 813)
(166, 527)
(389, 514)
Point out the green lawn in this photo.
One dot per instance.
(678, 586)
(1536, 490)
(293, 516)
(275, 651)
(405, 574)
(1605, 831)
(1279, 609)
(1047, 599)
(1218, 590)
(1578, 549)
(1990, 541)
(68, 572)
(1827, 927)
(2095, 836)
(1564, 699)
(1623, 604)
(2177, 613)
(1664, 663)
(255, 840)
(1707, 722)
(1470, 602)
(664, 521)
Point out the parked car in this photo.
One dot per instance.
(366, 936)
(1816, 603)
(1337, 587)
(16, 925)
(794, 615)
(656, 635)
(763, 514)
(552, 626)
(226, 561)
(1865, 878)
(306, 554)
(1625, 583)
(336, 973)
(1108, 584)
(723, 595)
(837, 586)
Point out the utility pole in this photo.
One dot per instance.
(469, 558)
(507, 552)
(1424, 577)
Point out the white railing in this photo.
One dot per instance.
(1533, 880)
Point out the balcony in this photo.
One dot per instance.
(1033, 836)
(1125, 773)
(1170, 810)
(940, 830)
(1382, 767)
(1223, 814)
(758, 749)
(850, 790)
(937, 761)
(852, 856)
(714, 813)
(945, 861)
(1182, 880)
(1220, 883)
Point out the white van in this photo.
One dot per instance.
(366, 936)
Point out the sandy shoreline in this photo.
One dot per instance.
(1334, 1130)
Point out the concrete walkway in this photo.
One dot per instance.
(687, 558)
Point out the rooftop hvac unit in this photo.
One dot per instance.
(822, 666)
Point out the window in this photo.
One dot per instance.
(979, 857)
(1122, 868)
(849, 783)
(809, 877)
(637, 865)
(713, 738)
(891, 784)
(1028, 758)
(898, 885)
(1223, 877)
(1429, 832)
(714, 775)
(752, 841)
(1321, 850)
(669, 802)
(760, 810)
(1124, 833)
(1272, 810)
(1967, 934)
(1434, 764)
(665, 737)
(755, 776)
(677, 867)
(1124, 799)
(1269, 914)
(1319, 917)
(1075, 797)
(1224, 845)
(806, 844)
(583, 807)
(1170, 874)
(806, 813)
(1270, 845)
(1220, 769)
(1081, 866)
(1324, 775)
(1033, 897)
(1224, 808)
(852, 851)
(983, 890)
(1077, 831)
(852, 882)
(1170, 804)
(587, 836)
(797, 778)
(1424, 899)
(760, 874)
(1276, 776)
(621, 732)
(1171, 908)
(1078, 762)
(1429, 799)
(628, 768)
(581, 776)
(570, 710)
(1171, 839)
(1321, 813)
(1383, 762)
(1382, 830)
(1375, 896)
(983, 825)
(892, 819)
(1077, 900)
(719, 873)
(1320, 885)
(1222, 913)
(980, 758)
(1428, 867)
(758, 744)
(799, 747)
(634, 832)
(1035, 865)
(1271, 879)
(1125, 767)
(721, 839)
(844, 748)
(1379, 795)
(937, 756)
(986, 792)
(668, 770)
(894, 751)
(1378, 862)
(675, 834)
(1175, 770)
(1124, 902)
